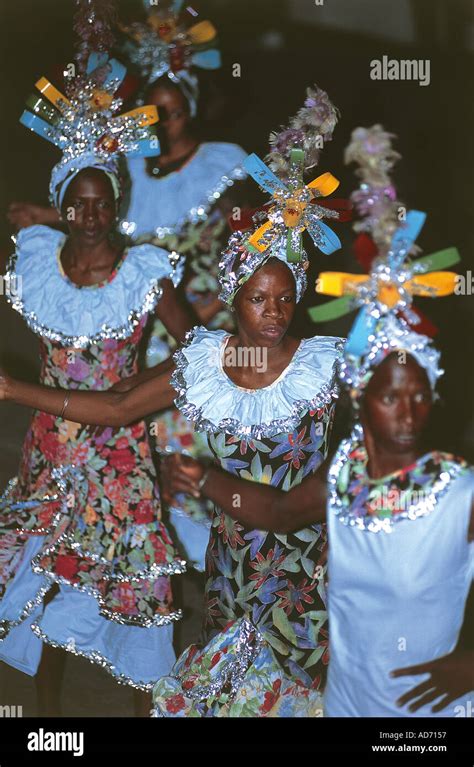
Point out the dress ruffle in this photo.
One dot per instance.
(206, 395)
(235, 675)
(53, 306)
(126, 590)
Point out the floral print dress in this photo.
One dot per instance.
(106, 540)
(264, 646)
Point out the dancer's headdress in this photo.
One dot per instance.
(276, 229)
(172, 43)
(386, 321)
(85, 125)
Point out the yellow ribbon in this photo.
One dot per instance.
(146, 115)
(294, 209)
(434, 285)
(52, 93)
(202, 32)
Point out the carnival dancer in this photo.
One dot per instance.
(265, 610)
(88, 301)
(178, 199)
(400, 514)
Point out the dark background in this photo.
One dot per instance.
(282, 47)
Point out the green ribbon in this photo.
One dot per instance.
(437, 261)
(332, 309)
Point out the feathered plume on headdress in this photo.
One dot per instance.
(308, 130)
(385, 295)
(376, 199)
(294, 205)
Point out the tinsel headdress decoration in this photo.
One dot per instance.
(84, 124)
(386, 320)
(294, 206)
(172, 43)
(94, 21)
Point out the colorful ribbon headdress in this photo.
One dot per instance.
(386, 319)
(294, 207)
(172, 43)
(85, 125)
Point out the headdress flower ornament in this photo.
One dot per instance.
(167, 44)
(85, 124)
(386, 317)
(294, 206)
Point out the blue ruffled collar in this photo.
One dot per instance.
(56, 308)
(207, 396)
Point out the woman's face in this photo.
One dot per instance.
(397, 404)
(89, 207)
(266, 303)
(173, 111)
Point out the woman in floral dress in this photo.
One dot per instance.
(116, 548)
(88, 301)
(399, 514)
(178, 201)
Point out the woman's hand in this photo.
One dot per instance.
(23, 214)
(450, 677)
(180, 474)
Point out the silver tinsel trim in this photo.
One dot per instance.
(370, 523)
(199, 212)
(81, 341)
(61, 476)
(325, 396)
(94, 656)
(28, 608)
(391, 334)
(232, 276)
(64, 478)
(231, 676)
(176, 567)
(133, 620)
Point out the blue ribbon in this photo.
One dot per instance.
(358, 339)
(145, 148)
(408, 231)
(262, 174)
(37, 125)
(323, 236)
(210, 59)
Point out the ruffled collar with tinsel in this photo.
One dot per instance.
(377, 505)
(56, 308)
(207, 396)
